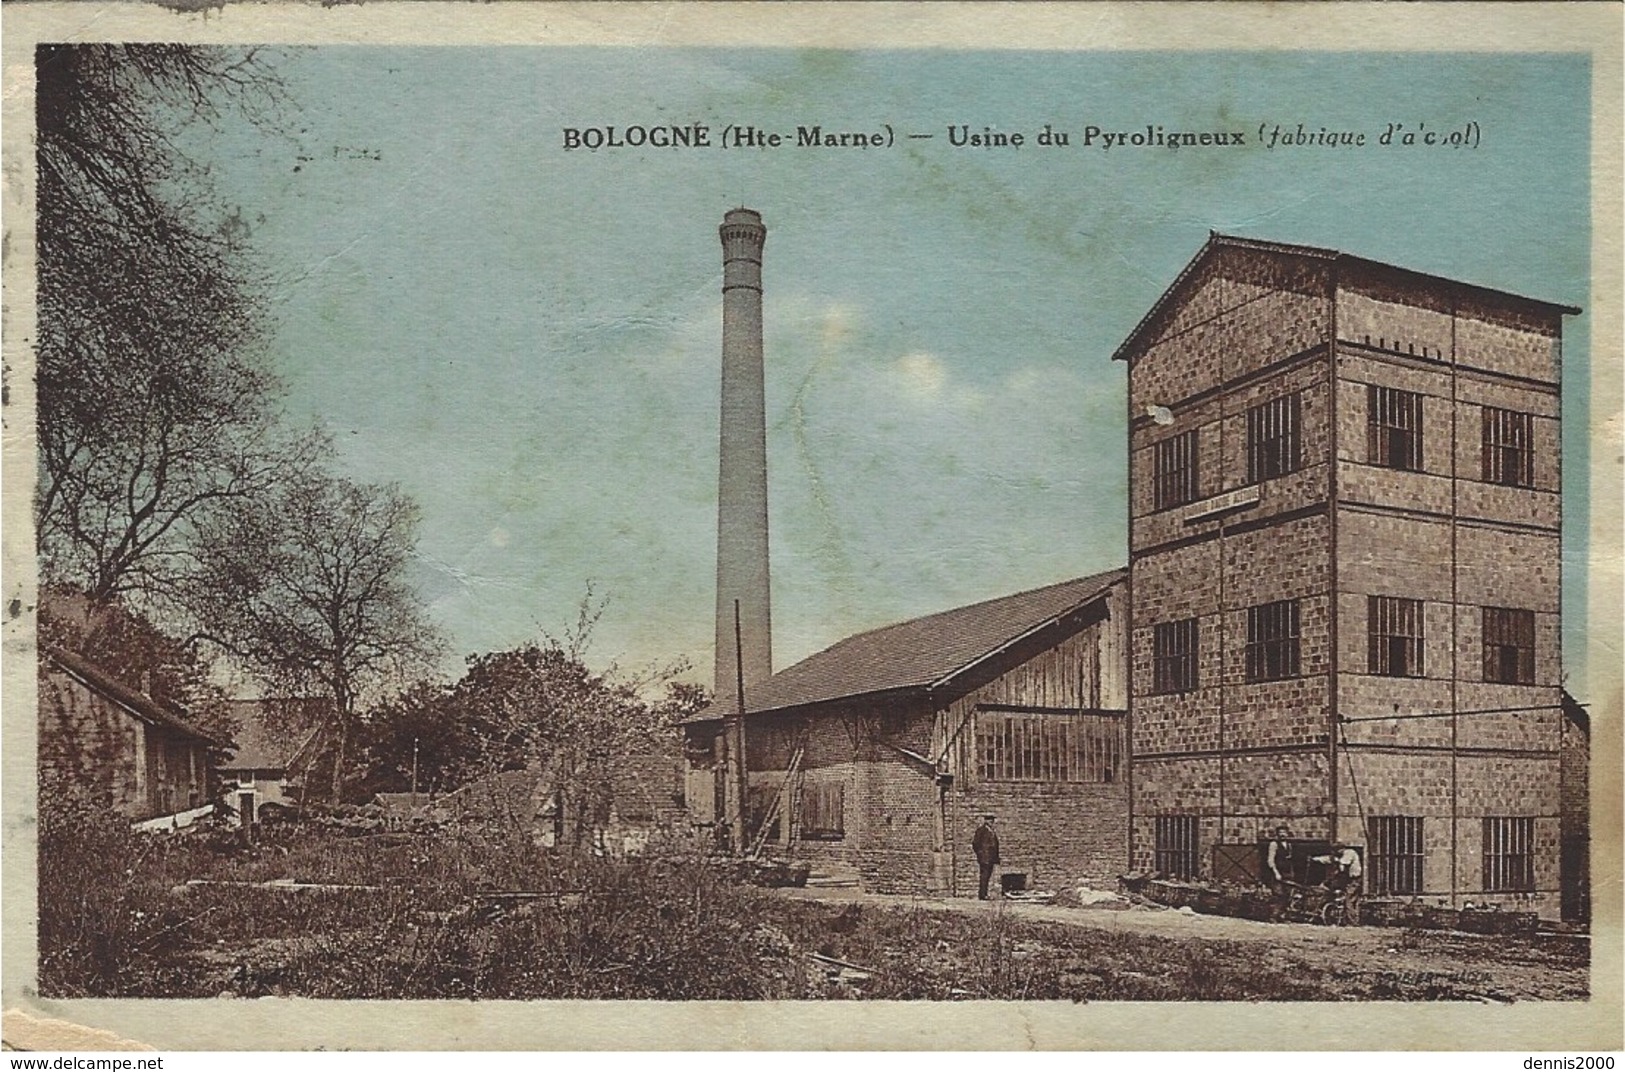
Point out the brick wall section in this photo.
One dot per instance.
(1501, 568)
(1285, 561)
(1245, 310)
(1387, 318)
(1386, 554)
(1575, 802)
(1501, 341)
(1058, 835)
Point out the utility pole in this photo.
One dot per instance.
(741, 767)
(414, 773)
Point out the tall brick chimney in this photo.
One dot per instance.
(742, 570)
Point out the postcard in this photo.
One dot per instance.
(548, 526)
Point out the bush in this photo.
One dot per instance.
(100, 897)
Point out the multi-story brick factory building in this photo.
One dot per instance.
(1345, 573)
(1341, 616)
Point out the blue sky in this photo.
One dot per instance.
(527, 338)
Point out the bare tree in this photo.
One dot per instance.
(156, 406)
(309, 587)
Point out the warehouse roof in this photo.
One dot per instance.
(921, 653)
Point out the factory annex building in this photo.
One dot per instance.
(881, 752)
(1340, 615)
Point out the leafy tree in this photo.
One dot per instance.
(540, 706)
(418, 720)
(156, 406)
(309, 587)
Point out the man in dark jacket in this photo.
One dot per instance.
(985, 843)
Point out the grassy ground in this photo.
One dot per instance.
(118, 917)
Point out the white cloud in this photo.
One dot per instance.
(923, 374)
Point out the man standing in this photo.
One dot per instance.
(985, 843)
(1278, 857)
(1278, 862)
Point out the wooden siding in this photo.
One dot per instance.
(1086, 672)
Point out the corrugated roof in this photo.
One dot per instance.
(919, 653)
(1217, 240)
(132, 700)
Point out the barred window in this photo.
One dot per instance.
(1173, 657)
(1394, 853)
(1395, 629)
(1509, 447)
(1394, 428)
(1176, 852)
(1044, 747)
(823, 811)
(1509, 854)
(1176, 481)
(1274, 446)
(1509, 646)
(1272, 641)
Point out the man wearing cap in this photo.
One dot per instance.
(985, 843)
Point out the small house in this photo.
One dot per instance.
(275, 743)
(128, 751)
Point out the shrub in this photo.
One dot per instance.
(99, 898)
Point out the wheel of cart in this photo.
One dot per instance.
(1342, 909)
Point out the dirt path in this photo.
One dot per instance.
(1490, 968)
(1141, 920)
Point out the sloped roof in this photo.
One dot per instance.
(136, 702)
(919, 653)
(1217, 241)
(259, 746)
(1577, 714)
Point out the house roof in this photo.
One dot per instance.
(259, 746)
(1217, 241)
(134, 701)
(918, 654)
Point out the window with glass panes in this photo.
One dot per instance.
(1274, 444)
(1509, 447)
(1395, 629)
(1177, 853)
(1509, 646)
(1272, 641)
(1509, 854)
(1020, 746)
(1173, 656)
(1175, 480)
(1394, 853)
(1394, 428)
